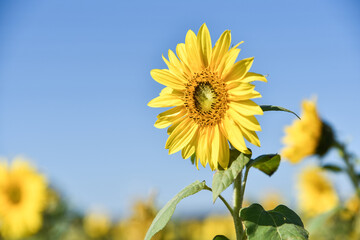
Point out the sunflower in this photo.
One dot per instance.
(307, 136)
(303, 136)
(96, 224)
(210, 94)
(22, 199)
(316, 193)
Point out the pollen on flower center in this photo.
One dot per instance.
(206, 98)
(14, 193)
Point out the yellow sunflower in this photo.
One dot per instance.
(303, 136)
(22, 199)
(210, 94)
(316, 193)
(96, 224)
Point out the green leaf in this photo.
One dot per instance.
(220, 237)
(164, 215)
(276, 108)
(267, 163)
(332, 168)
(278, 224)
(224, 178)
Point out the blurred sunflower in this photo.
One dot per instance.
(136, 226)
(316, 193)
(271, 200)
(22, 199)
(307, 136)
(96, 224)
(210, 94)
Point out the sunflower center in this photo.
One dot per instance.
(13, 193)
(206, 98)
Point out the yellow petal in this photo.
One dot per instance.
(209, 141)
(251, 136)
(170, 91)
(170, 112)
(204, 43)
(181, 52)
(224, 152)
(215, 146)
(181, 135)
(189, 149)
(165, 77)
(175, 70)
(241, 91)
(178, 64)
(229, 63)
(239, 69)
(174, 125)
(228, 60)
(220, 49)
(166, 91)
(166, 100)
(246, 108)
(250, 77)
(201, 149)
(192, 52)
(249, 122)
(166, 118)
(234, 135)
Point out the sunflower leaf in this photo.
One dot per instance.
(220, 237)
(278, 224)
(224, 178)
(267, 163)
(276, 108)
(164, 215)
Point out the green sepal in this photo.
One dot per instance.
(276, 108)
(267, 163)
(278, 224)
(224, 178)
(220, 237)
(332, 168)
(193, 159)
(164, 215)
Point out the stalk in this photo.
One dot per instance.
(238, 197)
(350, 168)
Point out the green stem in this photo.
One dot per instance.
(243, 185)
(350, 168)
(222, 199)
(238, 197)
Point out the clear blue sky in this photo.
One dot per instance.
(75, 82)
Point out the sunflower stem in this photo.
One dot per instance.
(243, 185)
(349, 162)
(238, 198)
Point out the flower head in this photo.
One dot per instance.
(271, 200)
(96, 224)
(22, 199)
(316, 193)
(307, 136)
(136, 226)
(210, 94)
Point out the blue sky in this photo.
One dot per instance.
(75, 82)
